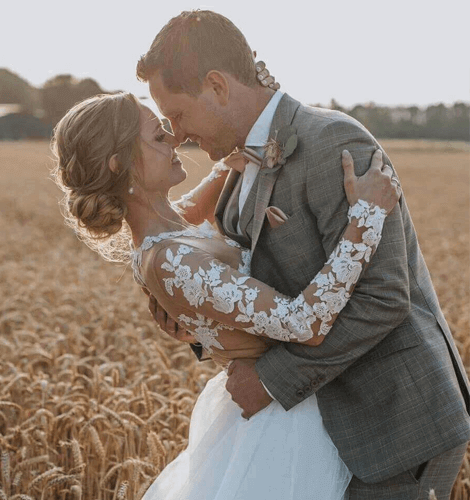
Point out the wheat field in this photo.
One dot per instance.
(94, 399)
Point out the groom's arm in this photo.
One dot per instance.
(380, 301)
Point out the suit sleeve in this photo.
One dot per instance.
(381, 300)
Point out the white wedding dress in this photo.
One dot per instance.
(276, 455)
(203, 279)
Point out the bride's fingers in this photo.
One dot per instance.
(377, 161)
(388, 171)
(236, 161)
(268, 82)
(262, 74)
(348, 167)
(260, 65)
(264, 77)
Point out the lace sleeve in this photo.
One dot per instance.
(193, 278)
(199, 204)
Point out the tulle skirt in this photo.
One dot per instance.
(276, 455)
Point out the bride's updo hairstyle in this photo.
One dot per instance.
(84, 142)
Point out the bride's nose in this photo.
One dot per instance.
(171, 140)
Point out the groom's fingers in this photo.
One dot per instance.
(231, 366)
(170, 326)
(167, 323)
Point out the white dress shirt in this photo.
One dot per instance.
(256, 139)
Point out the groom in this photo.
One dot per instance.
(390, 385)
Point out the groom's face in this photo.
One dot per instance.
(201, 119)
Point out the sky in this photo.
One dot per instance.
(401, 52)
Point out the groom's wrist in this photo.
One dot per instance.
(267, 390)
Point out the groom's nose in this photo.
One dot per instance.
(178, 132)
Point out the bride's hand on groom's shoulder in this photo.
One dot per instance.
(264, 77)
(166, 322)
(379, 185)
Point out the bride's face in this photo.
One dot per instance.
(160, 168)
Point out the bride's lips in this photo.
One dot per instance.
(175, 160)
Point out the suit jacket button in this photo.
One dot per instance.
(321, 378)
(314, 383)
(300, 393)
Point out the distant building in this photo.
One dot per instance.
(8, 109)
(16, 125)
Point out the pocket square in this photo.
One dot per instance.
(276, 217)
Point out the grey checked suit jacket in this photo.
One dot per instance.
(389, 381)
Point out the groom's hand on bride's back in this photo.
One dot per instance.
(245, 387)
(166, 322)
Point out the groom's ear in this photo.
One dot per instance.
(219, 85)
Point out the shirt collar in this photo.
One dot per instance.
(259, 133)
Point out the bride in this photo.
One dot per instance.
(116, 165)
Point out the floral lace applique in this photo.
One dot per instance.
(204, 329)
(204, 230)
(245, 303)
(186, 200)
(245, 265)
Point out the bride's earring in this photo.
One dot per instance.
(131, 190)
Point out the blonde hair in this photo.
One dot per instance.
(192, 44)
(84, 142)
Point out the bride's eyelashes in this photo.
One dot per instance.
(160, 137)
(159, 134)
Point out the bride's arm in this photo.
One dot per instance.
(206, 286)
(199, 204)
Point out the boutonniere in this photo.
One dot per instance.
(279, 148)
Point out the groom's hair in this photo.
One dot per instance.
(192, 44)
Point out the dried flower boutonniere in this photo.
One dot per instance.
(278, 149)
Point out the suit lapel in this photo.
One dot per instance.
(267, 177)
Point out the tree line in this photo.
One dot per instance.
(51, 101)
